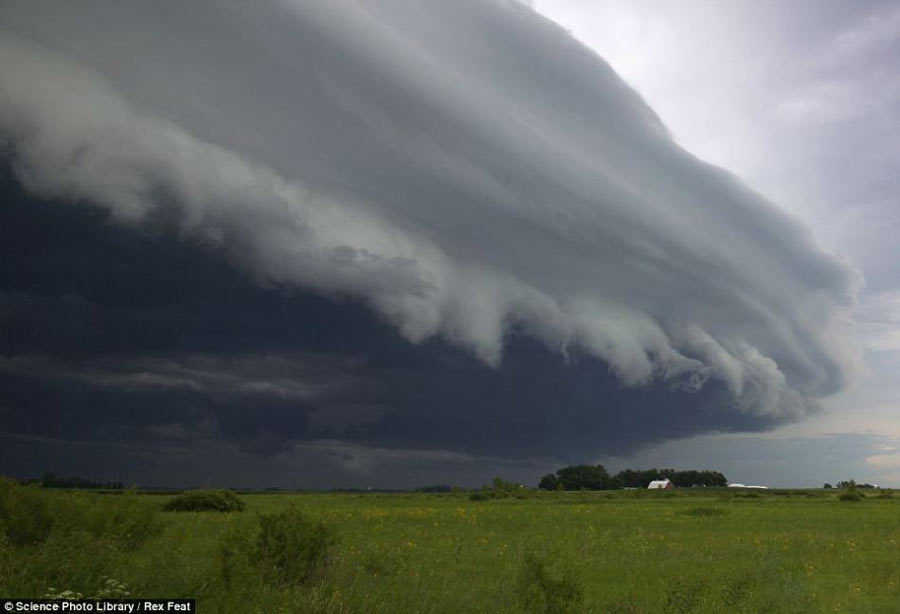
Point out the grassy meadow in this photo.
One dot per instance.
(687, 550)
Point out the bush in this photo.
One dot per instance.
(292, 547)
(122, 521)
(498, 489)
(548, 586)
(25, 516)
(205, 501)
(236, 548)
(850, 495)
(127, 519)
(71, 559)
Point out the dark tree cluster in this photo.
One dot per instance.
(632, 478)
(579, 477)
(497, 489)
(439, 488)
(851, 485)
(595, 477)
(48, 480)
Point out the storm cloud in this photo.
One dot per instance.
(443, 226)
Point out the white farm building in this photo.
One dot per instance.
(661, 484)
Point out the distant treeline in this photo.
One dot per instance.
(849, 485)
(436, 488)
(595, 477)
(48, 480)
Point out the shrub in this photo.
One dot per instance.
(121, 521)
(498, 489)
(547, 585)
(292, 547)
(71, 559)
(25, 516)
(850, 495)
(236, 548)
(205, 501)
(127, 519)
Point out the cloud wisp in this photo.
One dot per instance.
(466, 169)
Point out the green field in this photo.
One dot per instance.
(690, 550)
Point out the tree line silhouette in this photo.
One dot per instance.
(595, 477)
(49, 480)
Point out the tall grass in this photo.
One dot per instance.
(548, 584)
(55, 542)
(619, 552)
(25, 516)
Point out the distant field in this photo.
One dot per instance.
(691, 550)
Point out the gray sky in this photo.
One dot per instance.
(800, 100)
(539, 260)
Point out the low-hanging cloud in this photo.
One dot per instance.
(467, 169)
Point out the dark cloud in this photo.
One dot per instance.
(210, 353)
(443, 227)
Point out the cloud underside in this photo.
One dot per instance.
(464, 172)
(110, 339)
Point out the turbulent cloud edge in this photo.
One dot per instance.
(72, 136)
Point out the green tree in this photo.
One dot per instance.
(586, 477)
(549, 482)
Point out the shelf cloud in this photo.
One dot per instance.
(467, 171)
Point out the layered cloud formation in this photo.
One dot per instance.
(466, 169)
